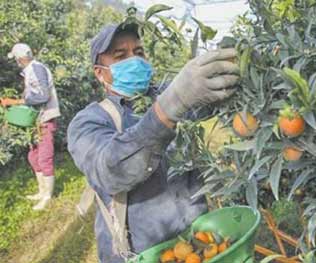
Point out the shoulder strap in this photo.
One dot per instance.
(115, 217)
(110, 108)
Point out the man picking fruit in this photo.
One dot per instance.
(39, 91)
(133, 161)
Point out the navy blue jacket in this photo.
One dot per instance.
(135, 161)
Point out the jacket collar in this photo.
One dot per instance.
(117, 100)
(27, 67)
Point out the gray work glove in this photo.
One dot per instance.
(203, 80)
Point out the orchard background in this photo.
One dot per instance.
(276, 42)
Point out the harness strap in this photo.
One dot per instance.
(115, 216)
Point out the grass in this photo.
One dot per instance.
(54, 235)
(76, 245)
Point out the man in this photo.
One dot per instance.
(39, 91)
(134, 160)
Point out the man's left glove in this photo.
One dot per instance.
(202, 81)
(5, 102)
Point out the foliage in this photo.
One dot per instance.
(59, 33)
(278, 71)
(141, 103)
(277, 65)
(187, 143)
(13, 140)
(163, 40)
(286, 212)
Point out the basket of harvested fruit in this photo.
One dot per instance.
(21, 115)
(225, 235)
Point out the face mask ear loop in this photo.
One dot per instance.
(106, 84)
(103, 67)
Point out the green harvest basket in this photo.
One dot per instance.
(239, 223)
(21, 115)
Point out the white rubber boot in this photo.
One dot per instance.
(47, 194)
(40, 182)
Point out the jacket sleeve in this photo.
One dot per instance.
(113, 161)
(37, 89)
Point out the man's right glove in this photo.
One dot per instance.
(203, 80)
(5, 102)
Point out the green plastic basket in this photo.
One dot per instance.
(239, 223)
(21, 115)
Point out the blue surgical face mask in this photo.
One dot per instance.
(130, 76)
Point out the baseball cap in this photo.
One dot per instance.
(101, 42)
(20, 50)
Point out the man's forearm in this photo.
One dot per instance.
(17, 101)
(163, 117)
(20, 101)
(115, 161)
(5, 102)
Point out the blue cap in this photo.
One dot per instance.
(101, 42)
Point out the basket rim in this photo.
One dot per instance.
(245, 237)
(23, 107)
(232, 248)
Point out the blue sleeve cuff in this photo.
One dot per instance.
(153, 132)
(35, 99)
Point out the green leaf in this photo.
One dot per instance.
(295, 38)
(207, 33)
(309, 117)
(258, 165)
(227, 42)
(152, 28)
(131, 11)
(270, 258)
(311, 228)
(300, 91)
(310, 257)
(310, 208)
(242, 146)
(156, 9)
(262, 137)
(244, 61)
(252, 193)
(312, 84)
(278, 104)
(282, 39)
(275, 175)
(300, 63)
(295, 166)
(294, 78)
(255, 77)
(169, 24)
(268, 27)
(299, 180)
(195, 44)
